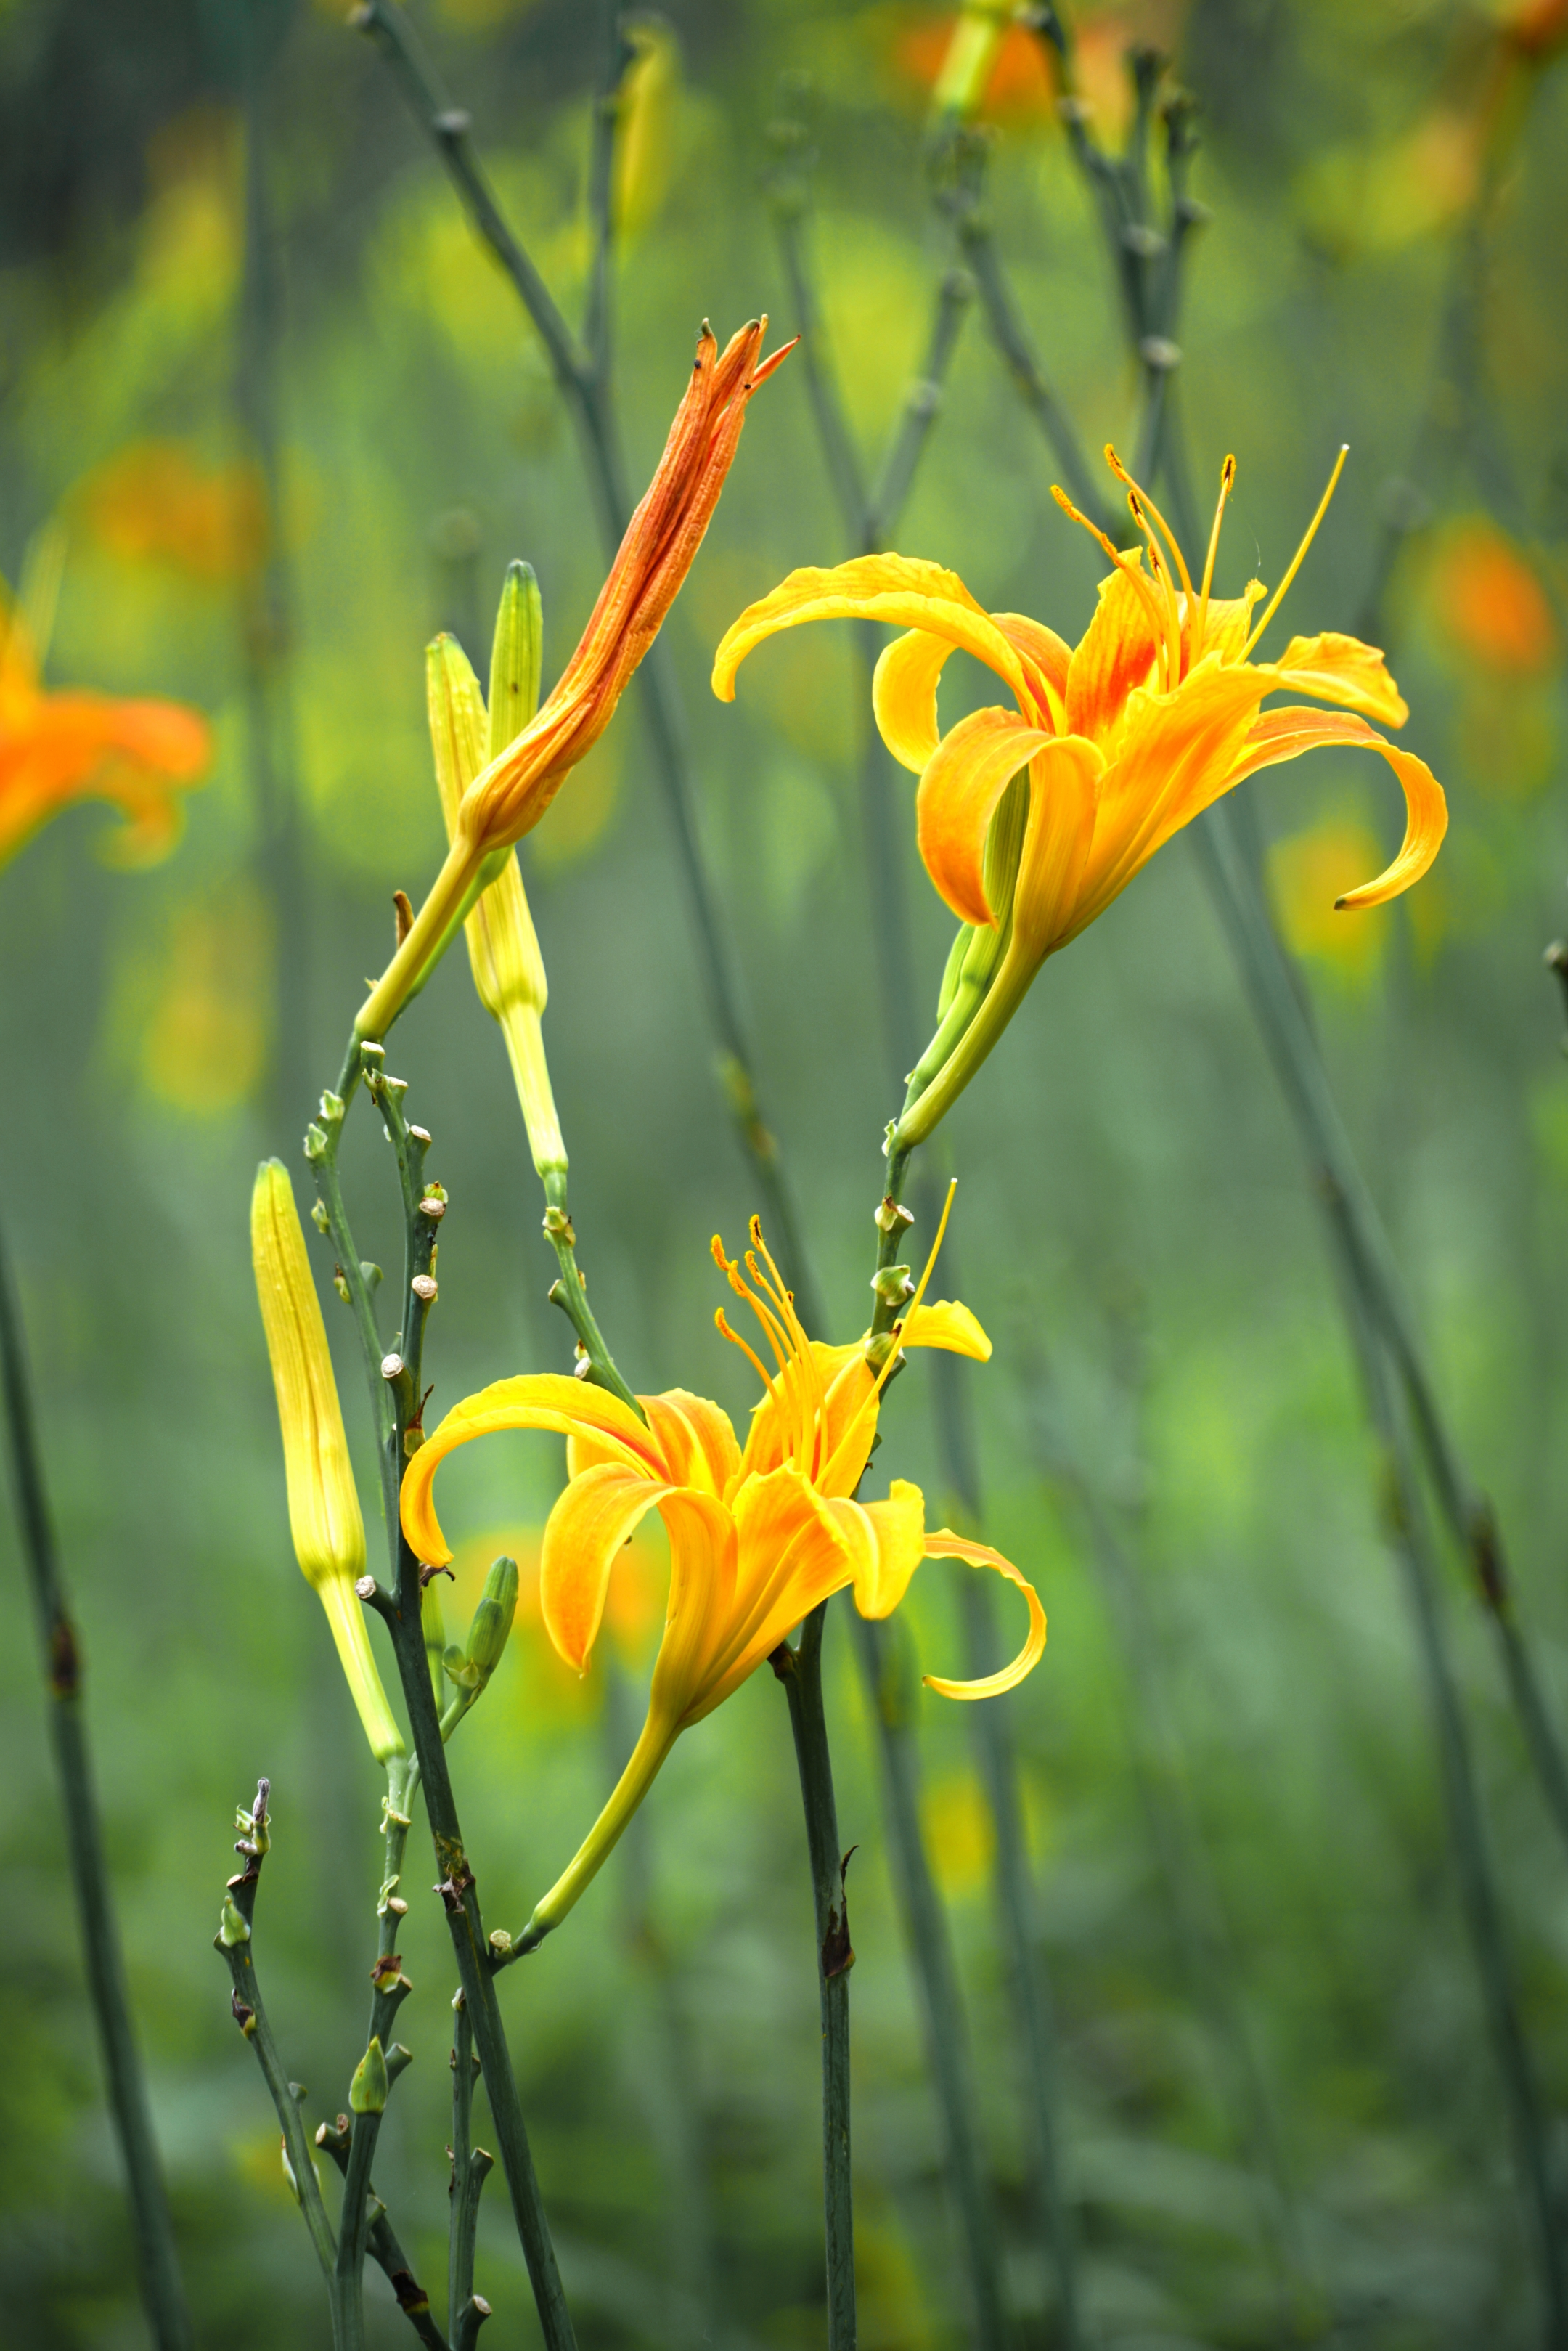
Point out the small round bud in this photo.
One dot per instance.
(391, 1366)
(425, 1288)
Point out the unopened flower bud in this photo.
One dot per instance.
(323, 1506)
(368, 2090)
(491, 1625)
(233, 1927)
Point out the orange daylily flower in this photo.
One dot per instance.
(757, 1536)
(507, 798)
(56, 747)
(1123, 739)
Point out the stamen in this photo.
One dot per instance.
(1126, 563)
(1149, 507)
(1226, 484)
(1278, 597)
(725, 1330)
(815, 1416)
(1170, 636)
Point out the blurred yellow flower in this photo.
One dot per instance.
(1306, 871)
(65, 745)
(203, 1047)
(158, 501)
(758, 1538)
(959, 1834)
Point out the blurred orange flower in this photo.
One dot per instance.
(73, 745)
(1488, 597)
(158, 501)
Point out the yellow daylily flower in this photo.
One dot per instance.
(758, 1535)
(1123, 739)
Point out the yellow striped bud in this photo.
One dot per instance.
(323, 1506)
(503, 947)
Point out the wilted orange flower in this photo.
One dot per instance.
(69, 745)
(1491, 602)
(157, 501)
(507, 799)
(1115, 744)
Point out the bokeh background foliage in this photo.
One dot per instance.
(1135, 1226)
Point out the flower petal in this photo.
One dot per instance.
(946, 1324)
(886, 1544)
(538, 1400)
(1058, 836)
(943, 1544)
(898, 589)
(1285, 734)
(788, 1555)
(964, 779)
(1176, 755)
(702, 1550)
(1117, 651)
(904, 695)
(695, 1438)
(1340, 669)
(583, 1534)
(1046, 654)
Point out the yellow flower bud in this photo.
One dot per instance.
(503, 947)
(323, 1506)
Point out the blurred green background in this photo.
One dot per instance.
(1135, 1226)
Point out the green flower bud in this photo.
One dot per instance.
(368, 2090)
(491, 1625)
(232, 1927)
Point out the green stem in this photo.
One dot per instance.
(1478, 1894)
(801, 1671)
(884, 1667)
(394, 1403)
(582, 378)
(386, 2251)
(157, 2257)
(1197, 1912)
(390, 1989)
(569, 1292)
(471, 2167)
(250, 2015)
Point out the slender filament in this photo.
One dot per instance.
(1278, 597)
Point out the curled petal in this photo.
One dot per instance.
(1340, 669)
(1047, 658)
(695, 1438)
(964, 779)
(1063, 813)
(946, 1324)
(1116, 653)
(904, 695)
(594, 1517)
(946, 1545)
(538, 1400)
(886, 1542)
(897, 590)
(1286, 733)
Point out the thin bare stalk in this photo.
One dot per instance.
(393, 1377)
(584, 379)
(157, 2256)
(869, 518)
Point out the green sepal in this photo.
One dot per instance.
(232, 1927)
